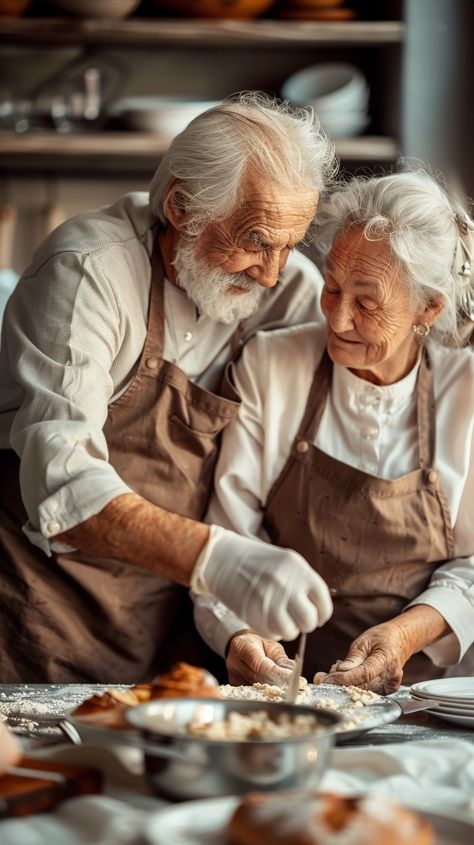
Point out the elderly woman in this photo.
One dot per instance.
(354, 445)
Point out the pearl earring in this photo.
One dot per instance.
(422, 329)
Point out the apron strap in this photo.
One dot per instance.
(426, 412)
(156, 308)
(316, 399)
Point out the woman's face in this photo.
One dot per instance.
(368, 309)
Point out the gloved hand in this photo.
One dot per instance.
(273, 590)
(251, 659)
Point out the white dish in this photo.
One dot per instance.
(203, 823)
(168, 115)
(450, 706)
(459, 689)
(457, 719)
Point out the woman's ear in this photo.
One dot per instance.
(173, 206)
(432, 310)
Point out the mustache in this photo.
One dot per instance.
(240, 280)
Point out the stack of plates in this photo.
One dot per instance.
(455, 698)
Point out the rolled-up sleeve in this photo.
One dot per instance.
(62, 332)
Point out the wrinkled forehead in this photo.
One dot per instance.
(352, 253)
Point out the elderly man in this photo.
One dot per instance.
(113, 395)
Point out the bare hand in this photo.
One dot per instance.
(252, 659)
(375, 660)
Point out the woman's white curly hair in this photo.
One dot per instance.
(413, 213)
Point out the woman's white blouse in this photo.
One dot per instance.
(366, 426)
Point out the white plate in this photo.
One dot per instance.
(203, 823)
(457, 719)
(450, 707)
(459, 689)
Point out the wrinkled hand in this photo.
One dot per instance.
(273, 590)
(375, 660)
(252, 659)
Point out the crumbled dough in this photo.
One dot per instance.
(257, 725)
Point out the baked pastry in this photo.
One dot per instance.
(306, 818)
(185, 681)
(108, 709)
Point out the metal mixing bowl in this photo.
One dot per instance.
(183, 767)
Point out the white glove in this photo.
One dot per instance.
(273, 590)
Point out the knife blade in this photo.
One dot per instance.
(293, 683)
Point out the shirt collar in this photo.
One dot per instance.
(389, 398)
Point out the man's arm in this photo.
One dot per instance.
(142, 534)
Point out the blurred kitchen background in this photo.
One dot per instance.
(92, 91)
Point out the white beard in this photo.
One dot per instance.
(209, 288)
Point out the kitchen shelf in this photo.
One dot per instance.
(140, 32)
(137, 151)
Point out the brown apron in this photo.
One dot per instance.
(71, 617)
(376, 542)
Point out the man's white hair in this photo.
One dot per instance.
(416, 217)
(211, 157)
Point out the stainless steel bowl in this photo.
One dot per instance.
(183, 767)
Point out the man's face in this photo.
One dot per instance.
(226, 269)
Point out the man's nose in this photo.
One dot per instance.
(266, 272)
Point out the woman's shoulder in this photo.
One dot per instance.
(453, 369)
(281, 362)
(305, 343)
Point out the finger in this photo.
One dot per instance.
(320, 596)
(361, 676)
(281, 624)
(348, 663)
(271, 673)
(303, 612)
(320, 678)
(285, 663)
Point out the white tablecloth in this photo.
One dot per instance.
(437, 775)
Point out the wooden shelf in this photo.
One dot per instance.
(135, 151)
(142, 32)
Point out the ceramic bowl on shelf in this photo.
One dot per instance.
(111, 9)
(214, 8)
(167, 115)
(338, 92)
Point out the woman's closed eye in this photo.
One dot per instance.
(367, 304)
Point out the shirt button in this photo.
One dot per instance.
(370, 433)
(302, 446)
(188, 336)
(432, 476)
(53, 527)
(151, 363)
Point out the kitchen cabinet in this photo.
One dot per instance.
(200, 58)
